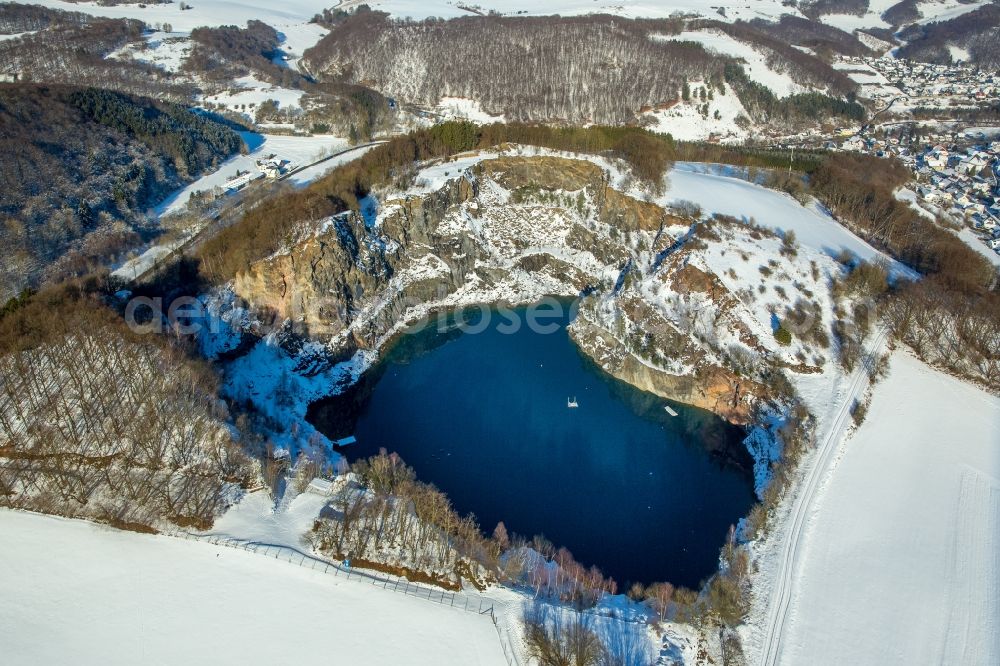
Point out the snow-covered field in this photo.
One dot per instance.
(463, 108)
(813, 227)
(683, 121)
(250, 92)
(299, 150)
(902, 549)
(75, 592)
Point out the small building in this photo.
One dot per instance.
(239, 182)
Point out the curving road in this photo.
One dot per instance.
(791, 549)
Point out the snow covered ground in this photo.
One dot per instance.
(683, 121)
(291, 17)
(977, 244)
(299, 150)
(813, 227)
(463, 108)
(780, 83)
(251, 92)
(256, 517)
(136, 266)
(902, 557)
(77, 592)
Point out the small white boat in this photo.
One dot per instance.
(572, 403)
(669, 410)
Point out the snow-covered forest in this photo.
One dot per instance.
(588, 69)
(97, 423)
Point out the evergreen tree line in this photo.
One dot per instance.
(193, 141)
(764, 105)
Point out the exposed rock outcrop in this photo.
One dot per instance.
(509, 229)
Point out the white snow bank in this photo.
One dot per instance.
(903, 548)
(81, 593)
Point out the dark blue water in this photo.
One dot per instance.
(620, 483)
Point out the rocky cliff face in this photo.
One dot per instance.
(510, 230)
(708, 386)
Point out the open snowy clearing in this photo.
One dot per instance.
(299, 150)
(903, 546)
(627, 8)
(248, 93)
(289, 17)
(256, 518)
(813, 227)
(685, 122)
(78, 592)
(756, 62)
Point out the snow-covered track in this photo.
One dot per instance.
(792, 547)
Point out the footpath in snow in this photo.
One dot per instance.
(82, 593)
(902, 550)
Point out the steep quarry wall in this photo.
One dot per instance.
(506, 229)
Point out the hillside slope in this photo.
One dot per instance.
(184, 602)
(911, 514)
(81, 168)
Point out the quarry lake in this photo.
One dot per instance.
(485, 416)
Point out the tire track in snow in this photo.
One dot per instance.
(970, 579)
(781, 596)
